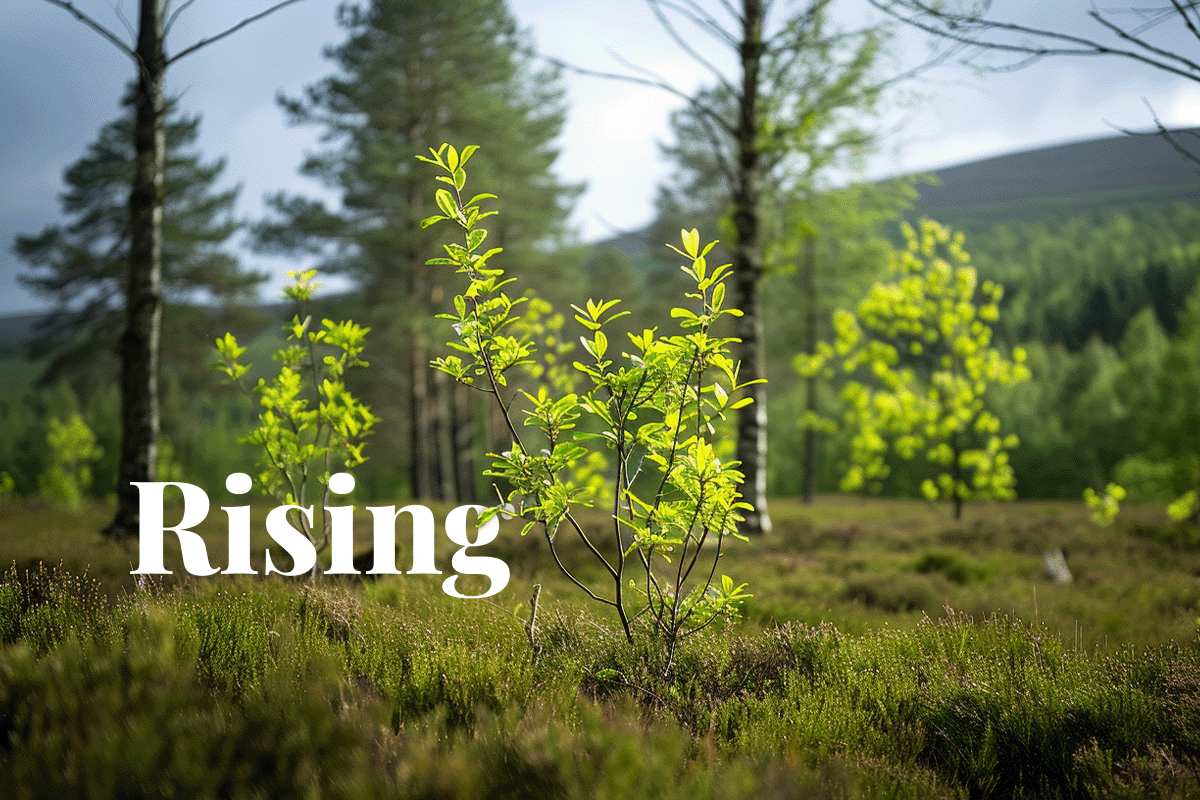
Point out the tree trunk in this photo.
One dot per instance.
(956, 473)
(747, 273)
(808, 276)
(143, 300)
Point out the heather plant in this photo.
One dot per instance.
(654, 408)
(310, 422)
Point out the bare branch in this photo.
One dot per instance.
(124, 20)
(1191, 26)
(1167, 134)
(1122, 34)
(175, 15)
(948, 25)
(697, 16)
(205, 42)
(616, 76)
(96, 26)
(669, 27)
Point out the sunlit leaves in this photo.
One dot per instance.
(650, 412)
(919, 350)
(309, 421)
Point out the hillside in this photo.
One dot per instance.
(1078, 177)
(1120, 170)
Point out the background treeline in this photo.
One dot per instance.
(1096, 244)
(1105, 302)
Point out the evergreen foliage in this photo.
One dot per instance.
(82, 264)
(412, 71)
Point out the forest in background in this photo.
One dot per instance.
(1100, 291)
(1094, 246)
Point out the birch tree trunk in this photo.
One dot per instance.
(747, 272)
(138, 349)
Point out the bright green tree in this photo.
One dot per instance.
(310, 423)
(410, 72)
(73, 448)
(920, 347)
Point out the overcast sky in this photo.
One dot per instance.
(60, 82)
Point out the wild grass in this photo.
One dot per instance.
(849, 679)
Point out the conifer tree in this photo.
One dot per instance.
(412, 72)
(81, 264)
(140, 339)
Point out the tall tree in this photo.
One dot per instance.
(762, 145)
(143, 293)
(412, 73)
(81, 265)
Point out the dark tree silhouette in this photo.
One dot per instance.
(143, 293)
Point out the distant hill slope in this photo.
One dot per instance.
(1078, 177)
(1121, 170)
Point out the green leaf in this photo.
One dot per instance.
(445, 202)
(691, 242)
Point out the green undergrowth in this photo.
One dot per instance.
(272, 689)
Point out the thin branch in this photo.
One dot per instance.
(205, 42)
(1082, 46)
(565, 571)
(1121, 33)
(175, 15)
(1165, 133)
(703, 22)
(96, 26)
(124, 20)
(1191, 26)
(599, 556)
(616, 76)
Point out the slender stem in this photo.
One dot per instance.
(207, 41)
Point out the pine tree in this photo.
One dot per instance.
(413, 73)
(82, 263)
(141, 337)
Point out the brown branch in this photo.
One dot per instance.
(205, 42)
(97, 27)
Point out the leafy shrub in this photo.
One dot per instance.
(72, 450)
(657, 410)
(310, 422)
